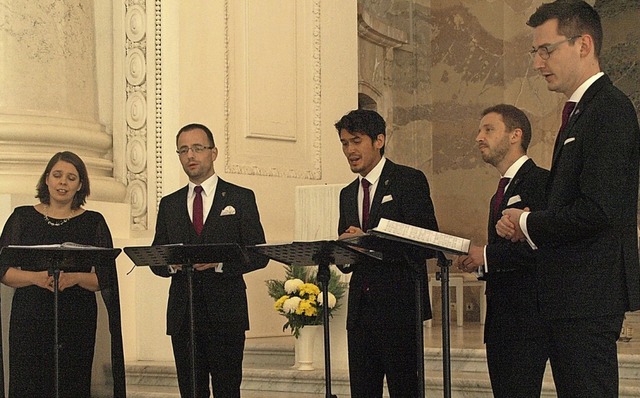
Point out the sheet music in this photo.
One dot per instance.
(423, 235)
(65, 245)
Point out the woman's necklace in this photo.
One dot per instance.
(53, 223)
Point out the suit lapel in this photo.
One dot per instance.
(220, 201)
(577, 113)
(382, 189)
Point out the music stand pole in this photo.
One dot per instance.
(419, 336)
(444, 264)
(323, 276)
(55, 271)
(188, 268)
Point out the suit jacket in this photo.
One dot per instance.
(512, 312)
(587, 237)
(223, 295)
(383, 294)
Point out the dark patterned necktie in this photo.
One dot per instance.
(197, 209)
(569, 106)
(365, 204)
(497, 198)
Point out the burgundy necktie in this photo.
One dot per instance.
(365, 204)
(497, 198)
(566, 113)
(197, 209)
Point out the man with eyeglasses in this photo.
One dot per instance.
(208, 210)
(587, 243)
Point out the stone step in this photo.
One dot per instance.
(269, 372)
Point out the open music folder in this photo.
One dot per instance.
(410, 234)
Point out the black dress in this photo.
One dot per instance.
(31, 331)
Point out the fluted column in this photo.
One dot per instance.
(48, 100)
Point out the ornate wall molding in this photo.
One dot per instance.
(242, 138)
(136, 114)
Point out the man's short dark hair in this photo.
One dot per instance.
(575, 17)
(194, 126)
(363, 121)
(513, 118)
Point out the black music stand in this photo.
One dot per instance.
(187, 256)
(57, 258)
(392, 246)
(322, 254)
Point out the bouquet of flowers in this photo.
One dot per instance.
(299, 298)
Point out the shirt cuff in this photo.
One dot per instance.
(485, 267)
(523, 227)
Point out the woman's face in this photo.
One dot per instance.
(63, 182)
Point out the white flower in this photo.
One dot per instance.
(292, 285)
(291, 305)
(332, 300)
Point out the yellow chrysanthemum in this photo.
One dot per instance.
(306, 308)
(309, 288)
(280, 301)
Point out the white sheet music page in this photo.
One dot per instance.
(423, 235)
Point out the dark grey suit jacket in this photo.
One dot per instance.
(512, 312)
(389, 300)
(587, 237)
(224, 294)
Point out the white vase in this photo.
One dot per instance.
(305, 345)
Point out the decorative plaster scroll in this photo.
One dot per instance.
(136, 70)
(136, 108)
(254, 145)
(136, 23)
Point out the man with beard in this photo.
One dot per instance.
(208, 210)
(516, 350)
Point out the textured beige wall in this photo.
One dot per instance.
(466, 55)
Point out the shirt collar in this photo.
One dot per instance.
(513, 169)
(577, 95)
(376, 172)
(208, 186)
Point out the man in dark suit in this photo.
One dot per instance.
(226, 213)
(586, 239)
(381, 319)
(516, 348)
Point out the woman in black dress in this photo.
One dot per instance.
(59, 218)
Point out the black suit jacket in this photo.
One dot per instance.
(587, 237)
(402, 194)
(512, 312)
(223, 294)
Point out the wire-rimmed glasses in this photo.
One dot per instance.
(545, 50)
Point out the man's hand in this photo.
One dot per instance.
(508, 226)
(351, 232)
(472, 261)
(204, 266)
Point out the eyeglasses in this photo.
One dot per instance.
(183, 151)
(545, 51)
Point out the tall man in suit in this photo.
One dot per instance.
(516, 348)
(586, 239)
(229, 214)
(381, 316)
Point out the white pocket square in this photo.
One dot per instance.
(387, 198)
(228, 211)
(514, 199)
(568, 140)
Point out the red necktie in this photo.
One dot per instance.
(566, 113)
(365, 204)
(197, 209)
(497, 198)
